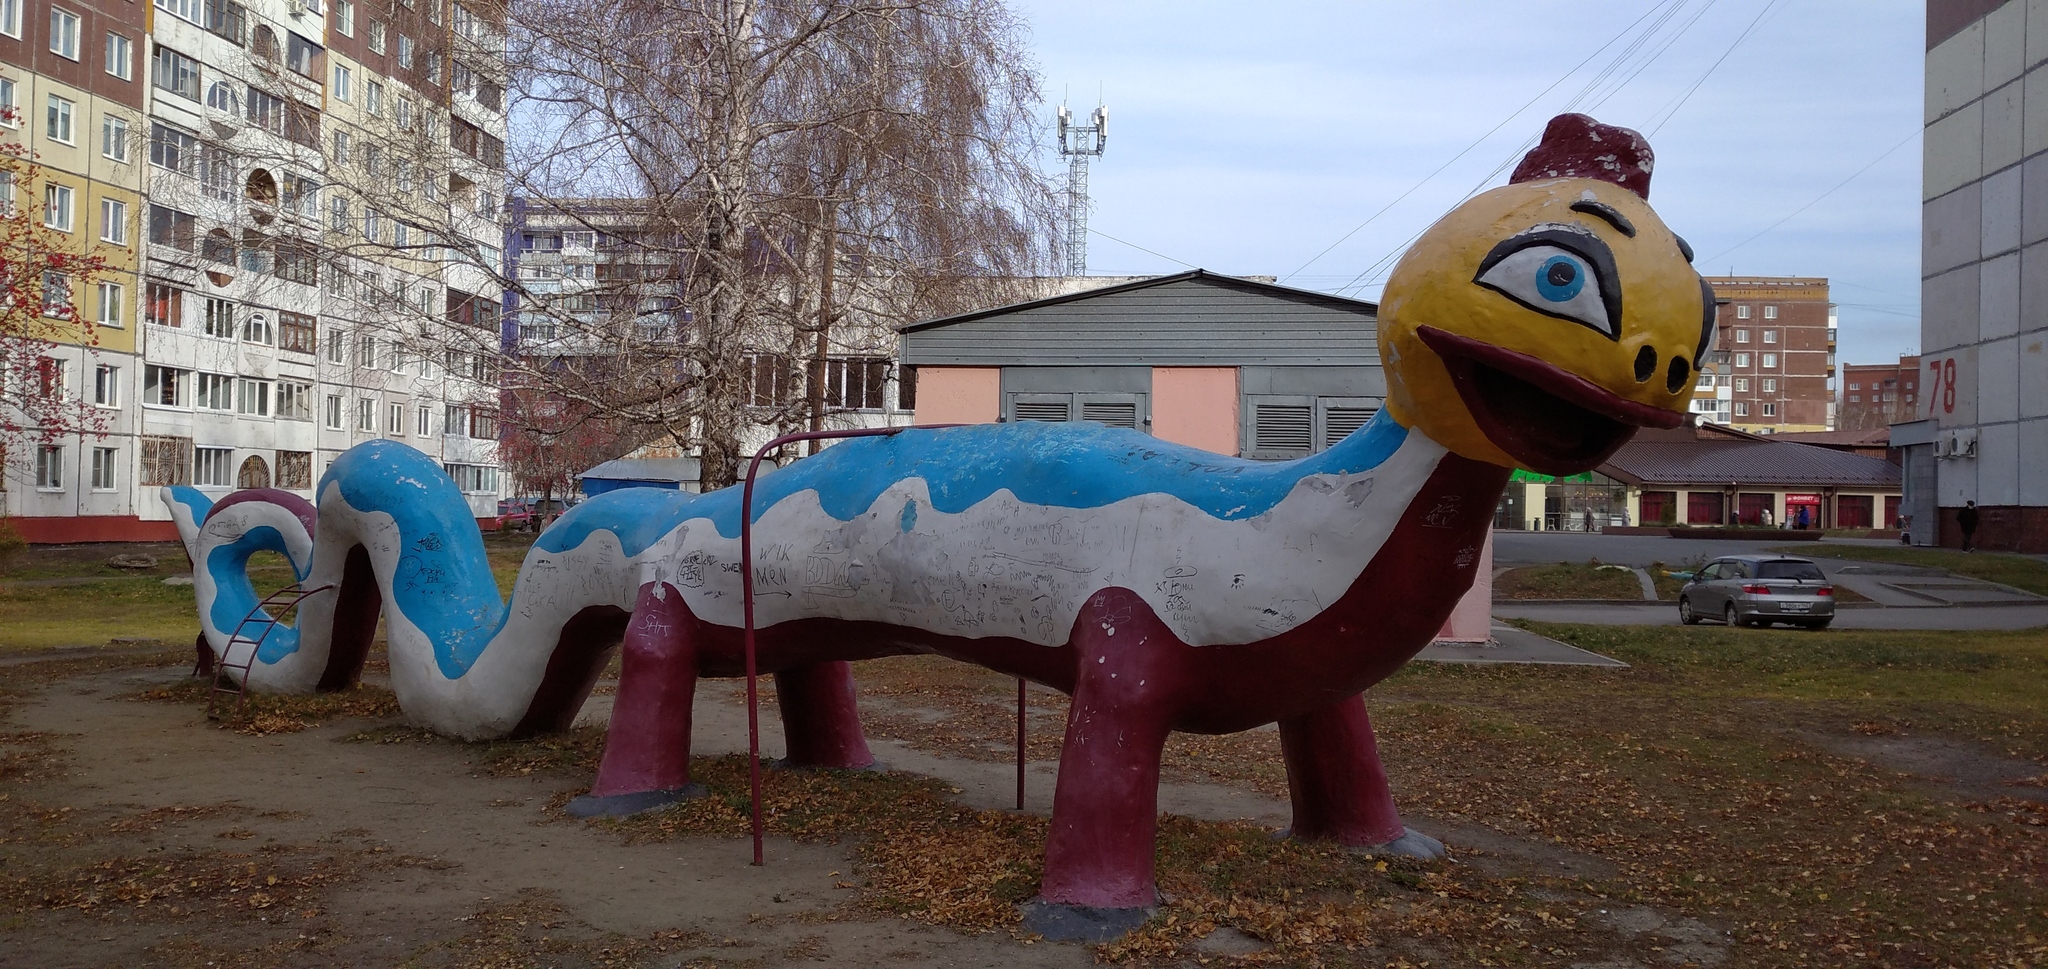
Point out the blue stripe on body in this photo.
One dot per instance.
(234, 596)
(443, 584)
(194, 501)
(1073, 465)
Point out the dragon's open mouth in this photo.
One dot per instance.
(1550, 421)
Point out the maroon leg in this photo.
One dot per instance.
(820, 718)
(1338, 785)
(647, 748)
(1099, 852)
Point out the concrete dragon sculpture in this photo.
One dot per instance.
(1163, 588)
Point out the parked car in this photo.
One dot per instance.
(517, 513)
(1743, 590)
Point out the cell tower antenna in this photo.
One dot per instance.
(1079, 143)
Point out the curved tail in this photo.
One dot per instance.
(393, 536)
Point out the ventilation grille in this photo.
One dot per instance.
(1114, 413)
(1054, 411)
(1339, 422)
(1283, 427)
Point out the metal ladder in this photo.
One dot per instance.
(284, 600)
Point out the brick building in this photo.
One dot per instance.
(1776, 352)
(1878, 395)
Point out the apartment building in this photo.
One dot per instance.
(594, 280)
(1982, 433)
(313, 246)
(71, 105)
(1877, 395)
(1775, 353)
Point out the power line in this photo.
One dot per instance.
(1481, 140)
(1105, 235)
(1761, 14)
(1838, 187)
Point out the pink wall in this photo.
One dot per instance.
(959, 395)
(1196, 406)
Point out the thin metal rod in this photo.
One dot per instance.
(1020, 743)
(747, 595)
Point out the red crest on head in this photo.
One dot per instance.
(1576, 146)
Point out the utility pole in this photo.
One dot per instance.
(1078, 143)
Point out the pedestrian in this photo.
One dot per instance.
(1967, 520)
(1765, 518)
(1802, 518)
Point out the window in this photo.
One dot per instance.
(401, 112)
(339, 218)
(1770, 336)
(10, 18)
(164, 386)
(295, 332)
(1742, 359)
(1855, 398)
(294, 469)
(57, 207)
(1742, 336)
(57, 296)
(1742, 384)
(1770, 410)
(217, 173)
(120, 57)
(214, 391)
(163, 305)
(302, 56)
(104, 461)
(220, 318)
(423, 421)
(50, 467)
(1770, 385)
(50, 376)
(114, 138)
(173, 149)
(366, 414)
(6, 194)
(106, 385)
(342, 86)
(213, 467)
(1741, 409)
(256, 329)
(483, 424)
(166, 461)
(366, 352)
(263, 43)
(221, 96)
(177, 73)
(187, 9)
(333, 412)
(64, 33)
(1706, 381)
(265, 110)
(335, 340)
(475, 479)
(8, 119)
(373, 98)
(394, 419)
(404, 51)
(254, 398)
(57, 124)
(1770, 312)
(376, 38)
(170, 227)
(112, 304)
(345, 17)
(1770, 360)
(295, 401)
(114, 221)
(224, 18)
(1742, 312)
(298, 262)
(342, 145)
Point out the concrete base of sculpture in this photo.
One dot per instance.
(626, 805)
(1059, 922)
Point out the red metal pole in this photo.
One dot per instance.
(1020, 743)
(747, 596)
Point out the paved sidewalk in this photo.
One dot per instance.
(1511, 645)
(1666, 614)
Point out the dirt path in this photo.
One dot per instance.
(435, 846)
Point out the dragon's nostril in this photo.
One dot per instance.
(1680, 373)
(1646, 364)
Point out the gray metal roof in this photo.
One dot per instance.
(645, 469)
(1754, 462)
(1196, 318)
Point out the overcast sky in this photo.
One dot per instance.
(1248, 138)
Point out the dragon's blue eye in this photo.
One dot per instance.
(1560, 278)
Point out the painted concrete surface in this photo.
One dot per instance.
(1196, 406)
(1664, 614)
(1511, 645)
(959, 395)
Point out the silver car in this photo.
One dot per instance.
(1742, 590)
